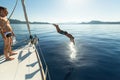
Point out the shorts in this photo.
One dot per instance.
(63, 32)
(8, 34)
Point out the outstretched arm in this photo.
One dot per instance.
(71, 38)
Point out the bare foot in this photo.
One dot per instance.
(9, 59)
(12, 54)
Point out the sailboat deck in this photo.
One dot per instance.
(25, 66)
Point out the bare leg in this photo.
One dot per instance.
(10, 43)
(6, 48)
(10, 49)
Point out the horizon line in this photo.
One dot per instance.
(68, 21)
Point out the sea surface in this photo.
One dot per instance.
(95, 55)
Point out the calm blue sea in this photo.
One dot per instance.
(96, 55)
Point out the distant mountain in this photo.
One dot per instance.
(15, 21)
(39, 23)
(99, 22)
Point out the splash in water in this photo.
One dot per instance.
(73, 50)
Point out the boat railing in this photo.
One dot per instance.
(41, 60)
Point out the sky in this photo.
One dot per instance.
(65, 10)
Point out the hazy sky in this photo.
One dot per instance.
(66, 10)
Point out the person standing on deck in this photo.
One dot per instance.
(6, 32)
(64, 33)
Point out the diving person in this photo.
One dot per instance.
(64, 33)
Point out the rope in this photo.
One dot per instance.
(13, 10)
(26, 18)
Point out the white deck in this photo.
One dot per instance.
(24, 67)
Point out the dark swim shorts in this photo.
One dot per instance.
(63, 32)
(8, 34)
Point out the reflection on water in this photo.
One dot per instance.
(73, 50)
